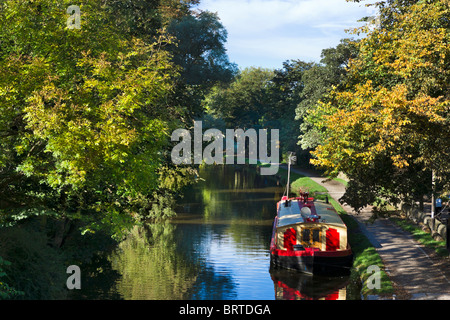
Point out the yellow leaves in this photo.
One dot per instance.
(399, 161)
(373, 121)
(397, 94)
(414, 43)
(429, 108)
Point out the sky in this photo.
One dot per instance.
(265, 33)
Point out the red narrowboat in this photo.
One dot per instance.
(310, 236)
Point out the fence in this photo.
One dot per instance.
(438, 229)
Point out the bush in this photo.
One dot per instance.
(36, 270)
(6, 292)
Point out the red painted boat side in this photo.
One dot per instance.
(311, 252)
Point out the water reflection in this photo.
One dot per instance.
(216, 248)
(291, 285)
(231, 193)
(151, 265)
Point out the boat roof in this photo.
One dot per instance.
(291, 214)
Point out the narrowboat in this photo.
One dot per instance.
(310, 236)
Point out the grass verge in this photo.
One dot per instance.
(299, 181)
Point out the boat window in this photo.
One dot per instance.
(305, 235)
(316, 235)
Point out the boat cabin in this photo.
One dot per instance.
(309, 224)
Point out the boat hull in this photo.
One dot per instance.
(315, 262)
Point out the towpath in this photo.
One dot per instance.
(416, 273)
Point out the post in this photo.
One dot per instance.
(433, 200)
(289, 175)
(447, 242)
(290, 158)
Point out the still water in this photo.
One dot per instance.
(216, 248)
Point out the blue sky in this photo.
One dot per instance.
(264, 33)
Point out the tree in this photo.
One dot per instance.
(286, 94)
(391, 121)
(85, 119)
(245, 101)
(143, 18)
(199, 49)
(318, 81)
(261, 98)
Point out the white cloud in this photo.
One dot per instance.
(262, 15)
(278, 30)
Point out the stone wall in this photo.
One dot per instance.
(437, 229)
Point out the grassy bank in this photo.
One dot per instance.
(300, 182)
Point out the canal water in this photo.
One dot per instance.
(216, 248)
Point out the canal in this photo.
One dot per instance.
(217, 248)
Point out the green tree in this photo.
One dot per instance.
(85, 119)
(143, 18)
(286, 93)
(318, 81)
(246, 100)
(199, 50)
(6, 291)
(261, 98)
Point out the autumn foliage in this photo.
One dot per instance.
(389, 126)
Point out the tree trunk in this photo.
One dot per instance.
(61, 227)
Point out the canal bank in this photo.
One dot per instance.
(415, 272)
